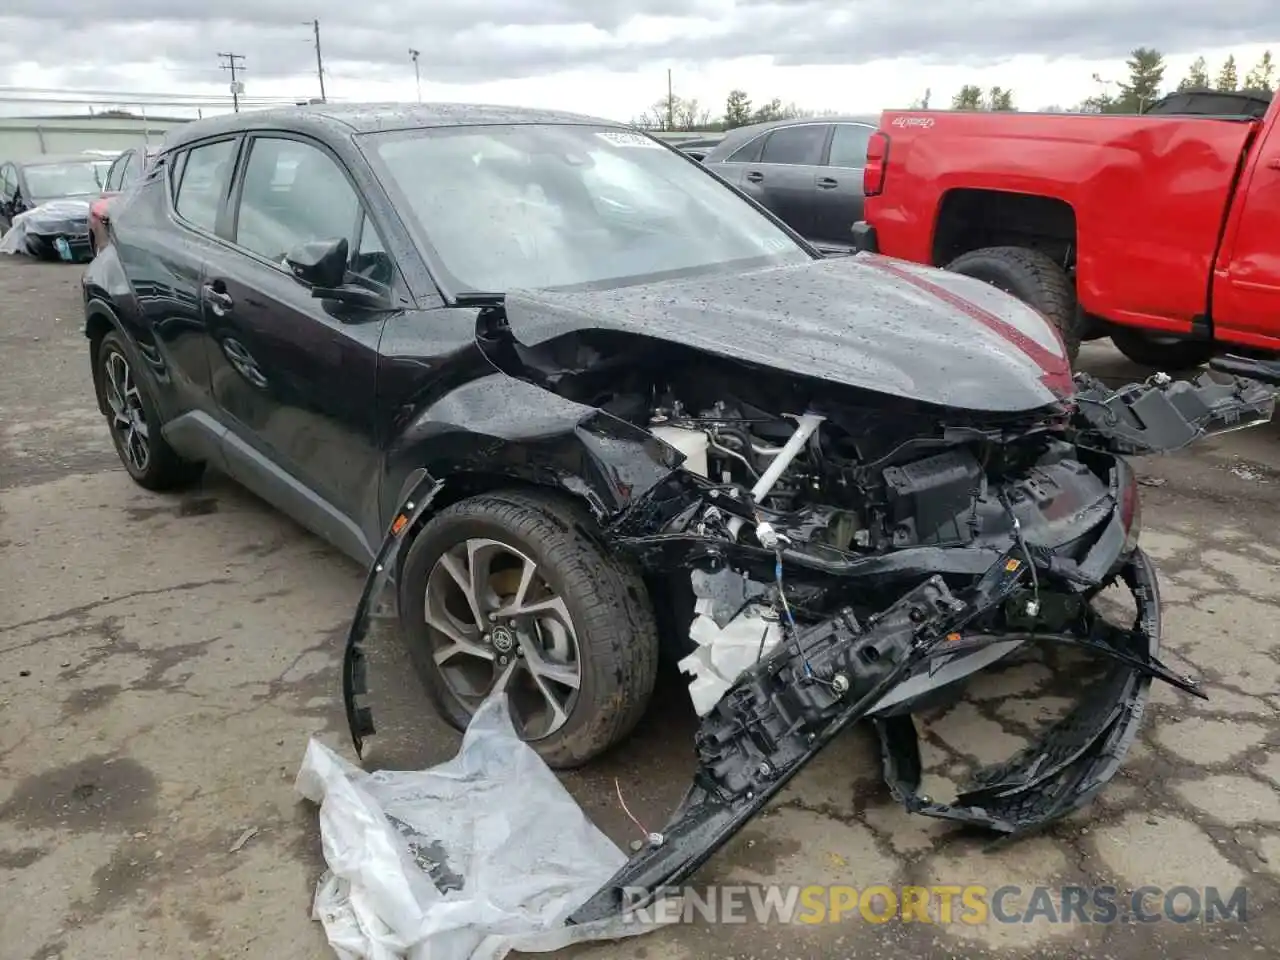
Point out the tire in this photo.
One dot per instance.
(613, 626)
(1162, 353)
(1035, 279)
(149, 460)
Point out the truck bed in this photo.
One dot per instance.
(1150, 191)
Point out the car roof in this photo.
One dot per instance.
(346, 119)
(738, 136)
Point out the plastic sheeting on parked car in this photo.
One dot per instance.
(468, 860)
(55, 218)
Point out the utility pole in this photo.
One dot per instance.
(417, 77)
(671, 103)
(315, 24)
(236, 86)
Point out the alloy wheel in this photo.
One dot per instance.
(128, 418)
(496, 623)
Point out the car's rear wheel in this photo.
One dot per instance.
(134, 421)
(1160, 352)
(1035, 279)
(508, 591)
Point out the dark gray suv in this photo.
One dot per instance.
(808, 172)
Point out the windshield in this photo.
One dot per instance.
(555, 206)
(48, 181)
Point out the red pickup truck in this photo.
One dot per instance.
(1160, 231)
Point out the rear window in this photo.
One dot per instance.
(796, 145)
(849, 145)
(203, 182)
(748, 152)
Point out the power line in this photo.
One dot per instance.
(236, 87)
(125, 94)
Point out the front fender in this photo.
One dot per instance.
(488, 432)
(497, 427)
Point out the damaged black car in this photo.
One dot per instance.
(578, 403)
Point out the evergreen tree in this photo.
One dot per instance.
(1197, 77)
(1262, 76)
(1146, 74)
(1227, 76)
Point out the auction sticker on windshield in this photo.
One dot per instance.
(621, 138)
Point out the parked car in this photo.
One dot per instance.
(698, 147)
(807, 172)
(572, 399)
(67, 181)
(1155, 230)
(122, 172)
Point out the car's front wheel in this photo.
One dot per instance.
(134, 421)
(509, 591)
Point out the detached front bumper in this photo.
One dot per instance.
(781, 714)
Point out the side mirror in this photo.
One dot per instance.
(322, 266)
(320, 263)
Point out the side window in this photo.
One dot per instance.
(293, 192)
(177, 163)
(370, 263)
(114, 173)
(8, 181)
(796, 145)
(133, 170)
(748, 152)
(849, 145)
(203, 182)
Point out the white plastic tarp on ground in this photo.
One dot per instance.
(469, 860)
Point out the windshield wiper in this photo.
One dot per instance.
(478, 298)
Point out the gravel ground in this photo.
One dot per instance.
(163, 660)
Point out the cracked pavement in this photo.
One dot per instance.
(163, 660)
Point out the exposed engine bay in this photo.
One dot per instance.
(849, 555)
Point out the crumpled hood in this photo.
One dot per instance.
(865, 321)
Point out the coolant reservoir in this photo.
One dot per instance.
(692, 443)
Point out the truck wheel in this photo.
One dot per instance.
(508, 591)
(1162, 353)
(1035, 279)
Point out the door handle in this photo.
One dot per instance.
(755, 176)
(826, 183)
(219, 300)
(1274, 163)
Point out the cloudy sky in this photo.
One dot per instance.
(610, 57)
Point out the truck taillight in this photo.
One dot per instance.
(877, 161)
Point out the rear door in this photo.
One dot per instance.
(784, 179)
(1246, 304)
(839, 183)
(733, 166)
(162, 240)
(295, 375)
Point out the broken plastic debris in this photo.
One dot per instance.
(244, 838)
(469, 860)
